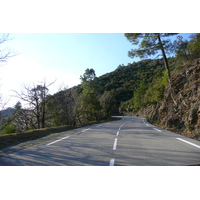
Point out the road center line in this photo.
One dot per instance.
(85, 130)
(112, 161)
(117, 133)
(115, 144)
(157, 129)
(188, 142)
(147, 124)
(57, 141)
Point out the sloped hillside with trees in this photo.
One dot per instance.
(151, 87)
(183, 116)
(173, 104)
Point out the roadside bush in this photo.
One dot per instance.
(10, 128)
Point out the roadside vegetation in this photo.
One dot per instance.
(126, 90)
(13, 138)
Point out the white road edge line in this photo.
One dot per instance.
(112, 161)
(157, 129)
(57, 141)
(147, 124)
(115, 144)
(188, 142)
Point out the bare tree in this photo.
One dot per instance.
(5, 52)
(36, 97)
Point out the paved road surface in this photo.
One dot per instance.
(130, 141)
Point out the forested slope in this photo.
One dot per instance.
(142, 87)
(104, 94)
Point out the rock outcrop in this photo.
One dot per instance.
(180, 108)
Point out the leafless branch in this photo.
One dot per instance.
(6, 53)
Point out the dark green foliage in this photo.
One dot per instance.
(88, 75)
(149, 44)
(187, 50)
(126, 79)
(100, 97)
(148, 91)
(156, 90)
(182, 50)
(107, 101)
(126, 106)
(138, 99)
(89, 105)
(194, 45)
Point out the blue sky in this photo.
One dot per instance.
(62, 57)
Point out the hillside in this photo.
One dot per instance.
(184, 116)
(115, 94)
(126, 79)
(166, 91)
(122, 82)
(101, 97)
(6, 112)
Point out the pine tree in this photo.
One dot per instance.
(149, 45)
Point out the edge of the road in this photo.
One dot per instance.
(52, 136)
(22, 145)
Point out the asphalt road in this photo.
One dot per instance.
(130, 141)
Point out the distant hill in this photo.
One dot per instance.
(122, 82)
(7, 112)
(126, 79)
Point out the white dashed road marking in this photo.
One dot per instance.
(56, 141)
(157, 129)
(112, 161)
(115, 144)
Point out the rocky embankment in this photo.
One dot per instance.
(179, 110)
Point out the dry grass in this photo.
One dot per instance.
(16, 138)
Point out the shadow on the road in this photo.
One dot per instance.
(67, 155)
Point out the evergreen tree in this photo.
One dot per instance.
(138, 98)
(182, 50)
(89, 104)
(194, 45)
(107, 101)
(150, 44)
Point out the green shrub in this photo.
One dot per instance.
(10, 128)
